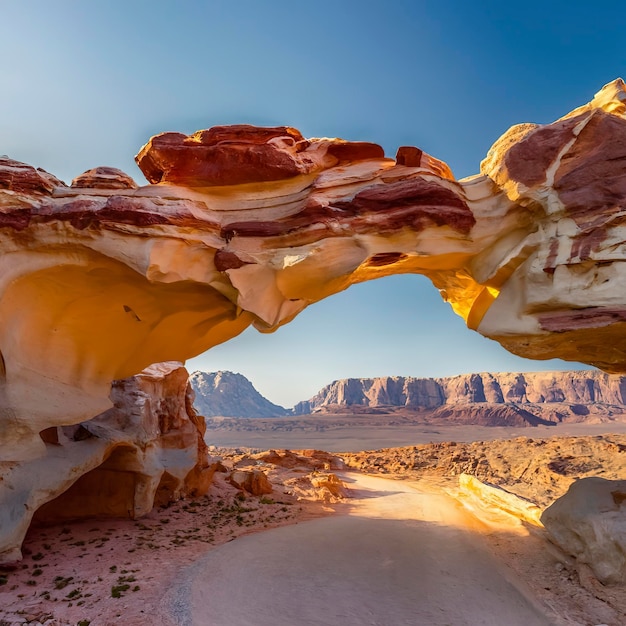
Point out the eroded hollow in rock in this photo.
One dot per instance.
(108, 490)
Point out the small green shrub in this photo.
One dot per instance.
(61, 583)
(117, 590)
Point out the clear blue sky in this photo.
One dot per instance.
(87, 83)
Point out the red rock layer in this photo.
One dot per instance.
(23, 178)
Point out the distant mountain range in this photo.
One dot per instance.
(485, 398)
(228, 394)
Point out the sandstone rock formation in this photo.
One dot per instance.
(503, 399)
(314, 478)
(230, 395)
(538, 470)
(245, 226)
(493, 499)
(148, 449)
(254, 482)
(589, 522)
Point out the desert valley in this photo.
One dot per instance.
(132, 492)
(490, 474)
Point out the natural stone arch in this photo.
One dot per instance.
(243, 225)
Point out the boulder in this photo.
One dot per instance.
(589, 523)
(255, 482)
(329, 487)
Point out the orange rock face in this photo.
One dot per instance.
(245, 226)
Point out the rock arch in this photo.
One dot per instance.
(248, 226)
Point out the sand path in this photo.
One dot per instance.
(405, 554)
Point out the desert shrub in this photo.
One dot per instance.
(117, 590)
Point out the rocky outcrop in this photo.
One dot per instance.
(316, 460)
(491, 499)
(504, 399)
(248, 226)
(589, 522)
(227, 394)
(148, 449)
(244, 226)
(254, 482)
(537, 470)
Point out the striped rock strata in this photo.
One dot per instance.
(245, 226)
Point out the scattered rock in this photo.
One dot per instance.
(329, 487)
(255, 482)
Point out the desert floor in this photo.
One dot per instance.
(354, 433)
(405, 554)
(398, 545)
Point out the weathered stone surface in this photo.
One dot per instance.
(255, 482)
(329, 487)
(494, 499)
(589, 522)
(147, 449)
(225, 155)
(22, 178)
(104, 178)
(304, 459)
(559, 277)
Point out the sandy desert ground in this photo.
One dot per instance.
(352, 433)
(405, 554)
(415, 549)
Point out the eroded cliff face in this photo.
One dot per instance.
(248, 226)
(147, 449)
(485, 398)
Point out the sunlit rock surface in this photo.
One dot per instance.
(231, 395)
(494, 499)
(248, 226)
(557, 281)
(589, 522)
(488, 399)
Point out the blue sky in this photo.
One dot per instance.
(87, 83)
